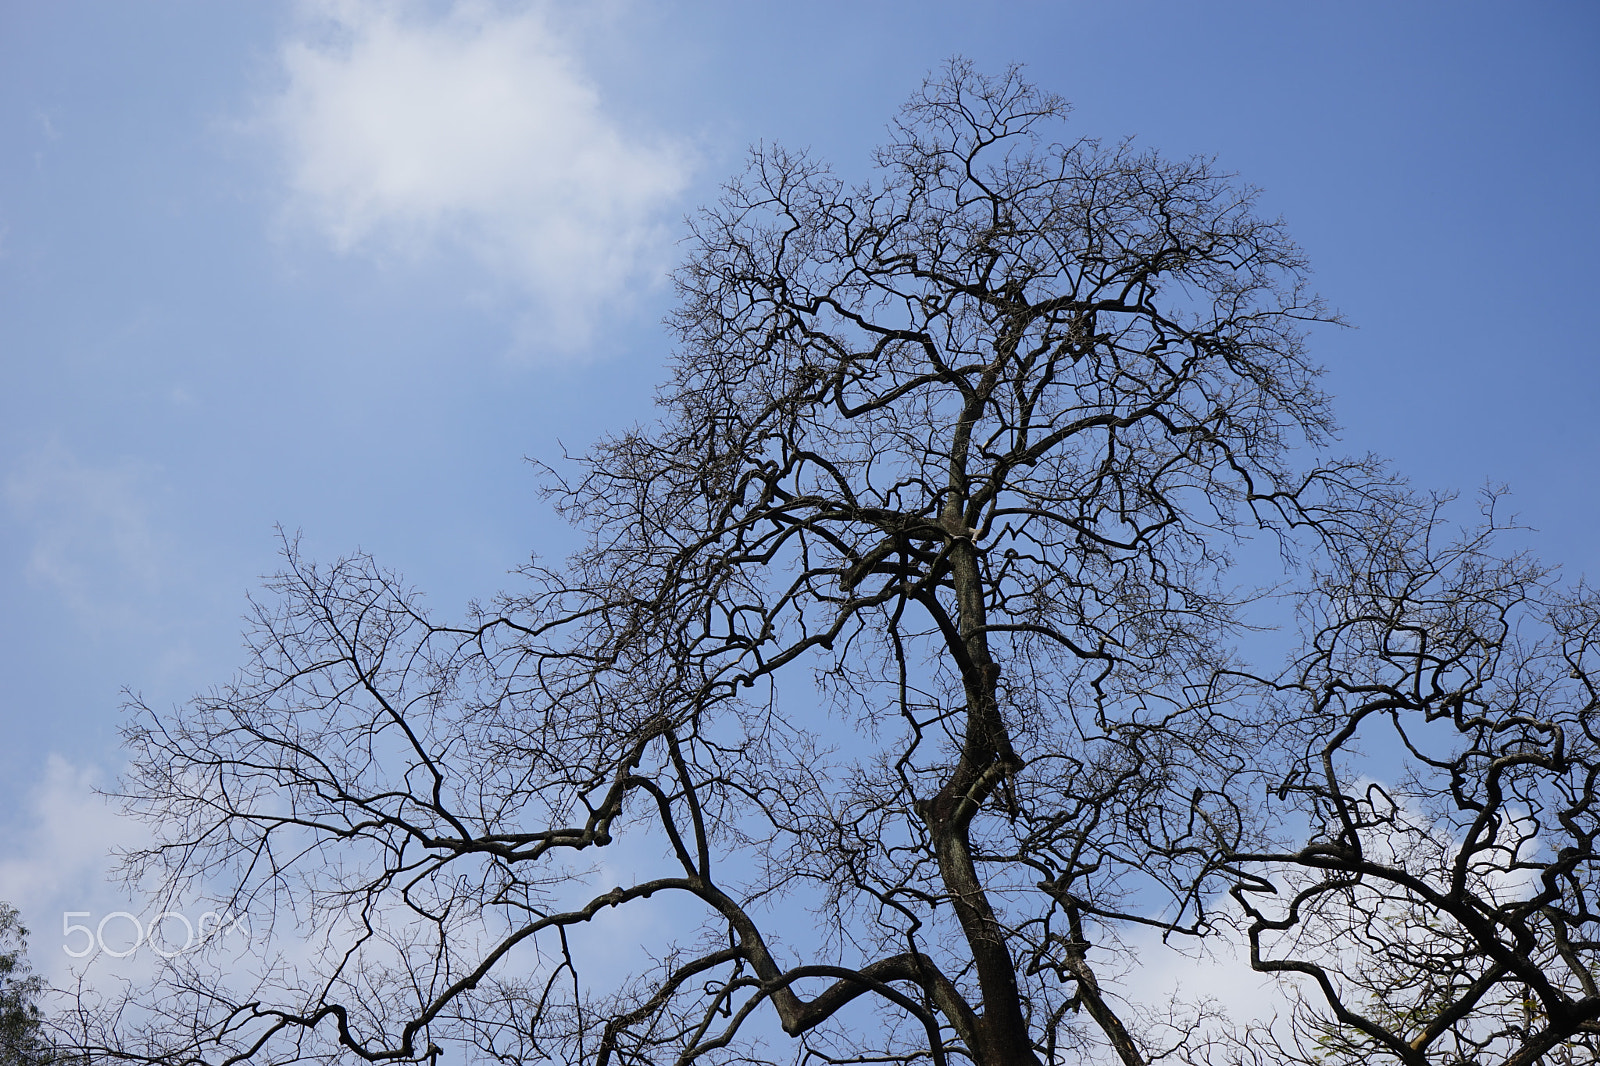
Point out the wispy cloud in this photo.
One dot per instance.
(407, 132)
(59, 855)
(93, 538)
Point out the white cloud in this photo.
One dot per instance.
(88, 929)
(475, 129)
(1209, 985)
(58, 860)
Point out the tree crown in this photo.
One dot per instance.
(918, 610)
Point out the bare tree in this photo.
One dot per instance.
(900, 680)
(1445, 913)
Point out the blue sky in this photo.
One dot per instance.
(340, 266)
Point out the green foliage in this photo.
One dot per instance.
(22, 1040)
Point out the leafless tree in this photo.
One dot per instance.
(1441, 901)
(901, 679)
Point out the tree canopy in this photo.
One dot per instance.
(920, 658)
(22, 1040)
